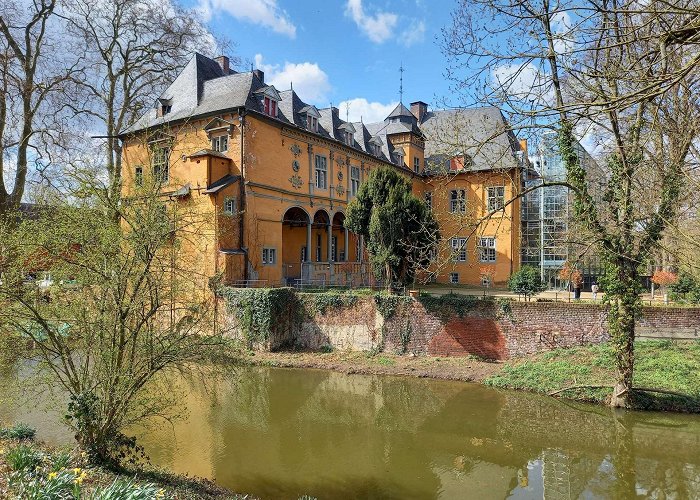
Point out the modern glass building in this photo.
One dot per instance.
(546, 217)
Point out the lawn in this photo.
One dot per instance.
(666, 365)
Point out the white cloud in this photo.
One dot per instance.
(370, 112)
(563, 34)
(378, 27)
(523, 82)
(414, 34)
(263, 12)
(309, 80)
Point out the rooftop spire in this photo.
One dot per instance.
(401, 70)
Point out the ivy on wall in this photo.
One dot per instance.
(262, 311)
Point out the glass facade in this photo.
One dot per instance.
(546, 215)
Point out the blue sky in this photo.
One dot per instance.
(340, 50)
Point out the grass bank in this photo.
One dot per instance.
(665, 365)
(32, 470)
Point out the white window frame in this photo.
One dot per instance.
(269, 256)
(454, 278)
(416, 165)
(458, 249)
(458, 204)
(216, 143)
(495, 198)
(230, 205)
(160, 162)
(349, 138)
(487, 249)
(321, 171)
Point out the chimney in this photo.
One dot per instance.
(419, 110)
(260, 74)
(523, 146)
(224, 62)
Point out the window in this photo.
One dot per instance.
(399, 157)
(219, 143)
(454, 277)
(229, 205)
(354, 180)
(165, 109)
(270, 106)
(321, 172)
(161, 163)
(269, 256)
(429, 199)
(349, 139)
(138, 175)
(311, 123)
(496, 195)
(487, 249)
(459, 249)
(458, 201)
(416, 164)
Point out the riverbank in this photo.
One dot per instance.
(565, 373)
(31, 469)
(466, 369)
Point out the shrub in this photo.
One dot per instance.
(23, 458)
(18, 431)
(526, 281)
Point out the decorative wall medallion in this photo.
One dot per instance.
(295, 166)
(295, 149)
(296, 181)
(340, 162)
(340, 189)
(340, 175)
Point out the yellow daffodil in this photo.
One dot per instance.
(161, 493)
(53, 475)
(77, 470)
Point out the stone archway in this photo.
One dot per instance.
(296, 226)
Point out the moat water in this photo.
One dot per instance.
(284, 433)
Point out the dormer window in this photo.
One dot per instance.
(312, 123)
(270, 100)
(165, 106)
(399, 157)
(375, 146)
(311, 116)
(347, 133)
(270, 107)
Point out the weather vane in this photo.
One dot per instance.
(401, 70)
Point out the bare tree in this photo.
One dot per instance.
(134, 48)
(34, 73)
(624, 72)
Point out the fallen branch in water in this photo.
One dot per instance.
(581, 387)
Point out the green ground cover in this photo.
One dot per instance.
(666, 365)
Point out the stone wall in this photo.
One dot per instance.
(485, 328)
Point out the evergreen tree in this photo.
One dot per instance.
(399, 229)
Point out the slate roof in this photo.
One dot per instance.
(220, 184)
(202, 89)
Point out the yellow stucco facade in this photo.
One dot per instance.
(273, 196)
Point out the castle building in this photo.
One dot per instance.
(276, 174)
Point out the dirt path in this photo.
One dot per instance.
(467, 369)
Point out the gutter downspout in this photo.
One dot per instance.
(243, 203)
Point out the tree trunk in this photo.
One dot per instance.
(624, 306)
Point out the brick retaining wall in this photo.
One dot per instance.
(488, 329)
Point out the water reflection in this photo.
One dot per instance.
(281, 433)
